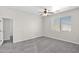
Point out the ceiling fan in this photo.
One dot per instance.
(46, 12)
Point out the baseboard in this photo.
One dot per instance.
(26, 39)
(48, 37)
(62, 40)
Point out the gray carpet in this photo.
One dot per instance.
(40, 45)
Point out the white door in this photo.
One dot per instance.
(6, 28)
(1, 30)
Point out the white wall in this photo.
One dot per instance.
(65, 36)
(25, 26)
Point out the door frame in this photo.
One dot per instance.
(1, 31)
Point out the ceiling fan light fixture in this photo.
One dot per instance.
(45, 14)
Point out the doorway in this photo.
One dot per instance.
(6, 32)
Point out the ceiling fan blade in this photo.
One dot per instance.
(51, 12)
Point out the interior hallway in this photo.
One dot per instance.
(40, 45)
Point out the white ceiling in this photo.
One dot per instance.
(31, 9)
(37, 9)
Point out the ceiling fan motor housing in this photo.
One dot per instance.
(45, 11)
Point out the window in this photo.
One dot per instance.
(62, 24)
(65, 23)
(56, 24)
